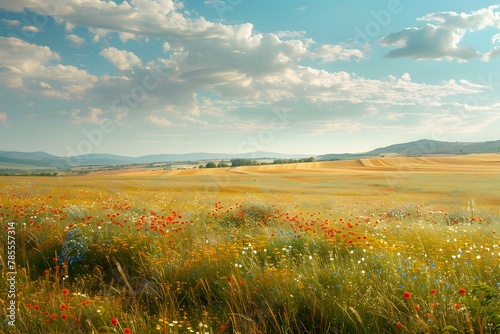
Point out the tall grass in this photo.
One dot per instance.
(118, 262)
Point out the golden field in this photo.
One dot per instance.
(376, 245)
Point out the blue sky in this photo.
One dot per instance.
(144, 77)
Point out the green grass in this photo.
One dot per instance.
(181, 261)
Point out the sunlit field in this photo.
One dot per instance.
(393, 245)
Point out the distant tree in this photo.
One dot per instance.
(210, 165)
(223, 164)
(242, 162)
(201, 166)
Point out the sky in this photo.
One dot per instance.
(139, 77)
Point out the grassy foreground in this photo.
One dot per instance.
(137, 255)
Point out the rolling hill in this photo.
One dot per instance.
(421, 148)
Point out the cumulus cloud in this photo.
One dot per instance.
(11, 23)
(125, 36)
(476, 20)
(441, 40)
(123, 60)
(406, 77)
(242, 72)
(23, 63)
(31, 29)
(99, 34)
(76, 40)
(428, 42)
(68, 27)
(495, 52)
(330, 53)
(488, 56)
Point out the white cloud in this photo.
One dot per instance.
(476, 20)
(428, 43)
(241, 71)
(31, 29)
(495, 52)
(330, 53)
(123, 60)
(301, 8)
(92, 117)
(166, 47)
(495, 38)
(3, 117)
(24, 63)
(99, 34)
(406, 77)
(43, 84)
(68, 27)
(162, 121)
(125, 36)
(11, 23)
(77, 40)
(441, 40)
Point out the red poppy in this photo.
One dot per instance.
(407, 295)
(433, 291)
(64, 316)
(416, 307)
(36, 307)
(65, 292)
(28, 305)
(53, 316)
(457, 306)
(127, 331)
(114, 321)
(63, 307)
(435, 305)
(462, 291)
(399, 324)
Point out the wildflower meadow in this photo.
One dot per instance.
(281, 254)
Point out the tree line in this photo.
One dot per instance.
(250, 162)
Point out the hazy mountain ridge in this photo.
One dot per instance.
(415, 148)
(45, 159)
(422, 147)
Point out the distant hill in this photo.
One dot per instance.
(43, 159)
(422, 147)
